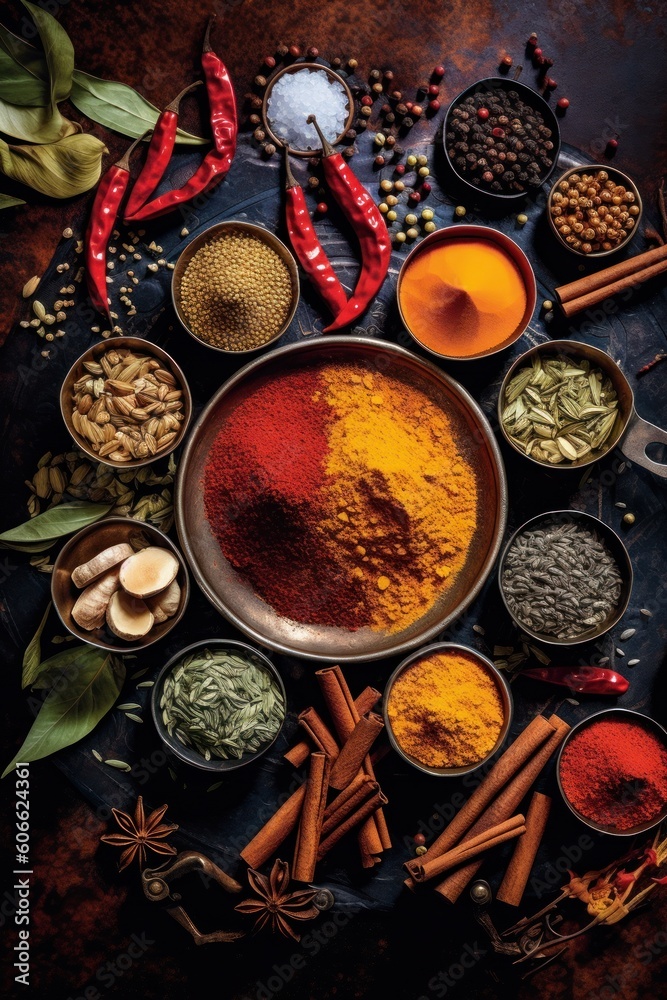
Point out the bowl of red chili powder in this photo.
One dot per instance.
(612, 772)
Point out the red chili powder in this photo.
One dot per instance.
(258, 478)
(615, 773)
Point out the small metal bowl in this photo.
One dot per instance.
(622, 714)
(296, 68)
(618, 551)
(614, 175)
(631, 433)
(92, 354)
(178, 749)
(505, 694)
(530, 97)
(233, 228)
(511, 248)
(86, 544)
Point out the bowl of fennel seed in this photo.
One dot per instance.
(218, 705)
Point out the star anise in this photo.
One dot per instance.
(140, 832)
(275, 905)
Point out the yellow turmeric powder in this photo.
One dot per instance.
(446, 710)
(401, 494)
(463, 296)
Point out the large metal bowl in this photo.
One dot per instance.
(235, 599)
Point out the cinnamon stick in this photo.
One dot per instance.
(521, 863)
(506, 767)
(360, 816)
(598, 295)
(276, 830)
(344, 805)
(317, 730)
(312, 815)
(609, 275)
(483, 842)
(354, 750)
(503, 807)
(344, 715)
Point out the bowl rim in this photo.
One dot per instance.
(295, 67)
(164, 540)
(627, 572)
(541, 105)
(505, 692)
(587, 167)
(132, 343)
(204, 237)
(642, 719)
(191, 757)
(513, 250)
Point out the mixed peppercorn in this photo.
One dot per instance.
(498, 142)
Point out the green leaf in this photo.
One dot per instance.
(119, 107)
(48, 672)
(31, 548)
(60, 169)
(41, 125)
(18, 85)
(24, 54)
(33, 654)
(58, 50)
(7, 201)
(57, 522)
(82, 694)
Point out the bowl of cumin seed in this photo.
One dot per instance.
(565, 577)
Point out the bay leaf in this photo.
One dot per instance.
(119, 107)
(85, 691)
(33, 655)
(19, 86)
(41, 125)
(31, 548)
(49, 671)
(24, 54)
(58, 51)
(8, 201)
(60, 169)
(62, 520)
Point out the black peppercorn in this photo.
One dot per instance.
(255, 119)
(407, 122)
(313, 181)
(336, 62)
(375, 74)
(350, 135)
(282, 51)
(348, 152)
(260, 81)
(259, 134)
(401, 109)
(390, 117)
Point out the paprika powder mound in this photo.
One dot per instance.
(342, 496)
(614, 772)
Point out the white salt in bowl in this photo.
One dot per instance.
(315, 79)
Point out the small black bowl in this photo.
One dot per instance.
(532, 98)
(186, 755)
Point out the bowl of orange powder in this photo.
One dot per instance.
(466, 292)
(447, 709)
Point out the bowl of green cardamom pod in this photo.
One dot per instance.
(218, 705)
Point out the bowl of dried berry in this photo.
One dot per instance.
(501, 139)
(594, 210)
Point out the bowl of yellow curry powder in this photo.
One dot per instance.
(447, 709)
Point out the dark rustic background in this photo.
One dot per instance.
(609, 61)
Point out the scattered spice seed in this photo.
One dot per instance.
(629, 518)
(621, 505)
(646, 613)
(121, 765)
(96, 755)
(627, 634)
(619, 652)
(633, 663)
(146, 684)
(135, 718)
(479, 629)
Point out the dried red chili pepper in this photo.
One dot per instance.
(308, 250)
(370, 228)
(216, 163)
(108, 197)
(158, 155)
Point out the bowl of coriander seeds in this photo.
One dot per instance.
(235, 287)
(594, 210)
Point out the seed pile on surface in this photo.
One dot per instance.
(236, 292)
